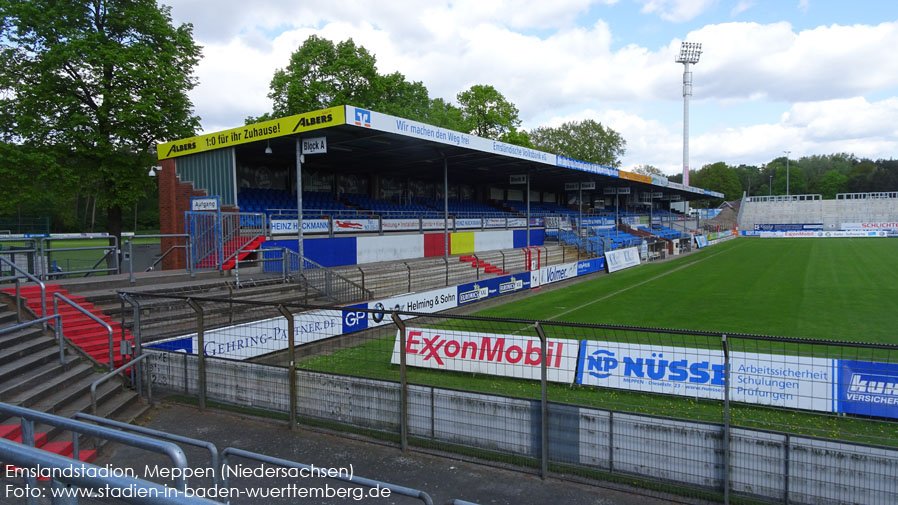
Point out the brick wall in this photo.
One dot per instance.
(174, 201)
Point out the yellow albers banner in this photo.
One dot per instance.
(251, 133)
(635, 177)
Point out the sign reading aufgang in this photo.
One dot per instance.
(250, 133)
(486, 353)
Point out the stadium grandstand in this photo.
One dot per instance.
(341, 206)
(366, 173)
(848, 212)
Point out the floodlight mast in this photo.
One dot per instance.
(689, 55)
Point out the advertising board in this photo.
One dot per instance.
(620, 259)
(516, 356)
(784, 381)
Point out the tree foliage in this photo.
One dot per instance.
(582, 140)
(648, 170)
(92, 85)
(718, 177)
(323, 74)
(486, 112)
(832, 183)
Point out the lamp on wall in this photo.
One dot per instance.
(154, 170)
(268, 147)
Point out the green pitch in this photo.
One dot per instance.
(832, 289)
(837, 289)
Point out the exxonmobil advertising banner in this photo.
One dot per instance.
(767, 379)
(516, 356)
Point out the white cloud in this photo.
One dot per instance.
(676, 11)
(741, 6)
(582, 71)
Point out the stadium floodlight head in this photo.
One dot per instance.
(690, 52)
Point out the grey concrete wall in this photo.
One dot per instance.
(762, 464)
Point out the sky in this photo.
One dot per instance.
(804, 76)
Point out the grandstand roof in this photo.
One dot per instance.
(372, 142)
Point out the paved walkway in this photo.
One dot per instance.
(442, 478)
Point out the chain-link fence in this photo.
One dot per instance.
(704, 414)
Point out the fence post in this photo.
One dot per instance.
(477, 265)
(787, 446)
(409, 276)
(19, 301)
(363, 279)
(544, 404)
(131, 278)
(200, 352)
(284, 265)
(447, 270)
(403, 381)
(726, 419)
(291, 358)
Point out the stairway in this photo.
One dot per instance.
(487, 267)
(32, 376)
(81, 330)
(246, 244)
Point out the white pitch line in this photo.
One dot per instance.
(597, 300)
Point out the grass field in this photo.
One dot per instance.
(839, 289)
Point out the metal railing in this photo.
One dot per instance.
(32, 278)
(186, 247)
(72, 473)
(703, 411)
(28, 417)
(90, 315)
(332, 285)
(114, 373)
(232, 452)
(171, 437)
(42, 320)
(108, 251)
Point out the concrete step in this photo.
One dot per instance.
(29, 362)
(74, 390)
(25, 348)
(35, 376)
(60, 381)
(12, 339)
(7, 317)
(111, 401)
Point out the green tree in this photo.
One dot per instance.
(95, 84)
(832, 183)
(398, 97)
(445, 115)
(815, 166)
(517, 137)
(750, 180)
(486, 112)
(585, 141)
(718, 177)
(323, 74)
(860, 179)
(649, 170)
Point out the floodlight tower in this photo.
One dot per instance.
(689, 55)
